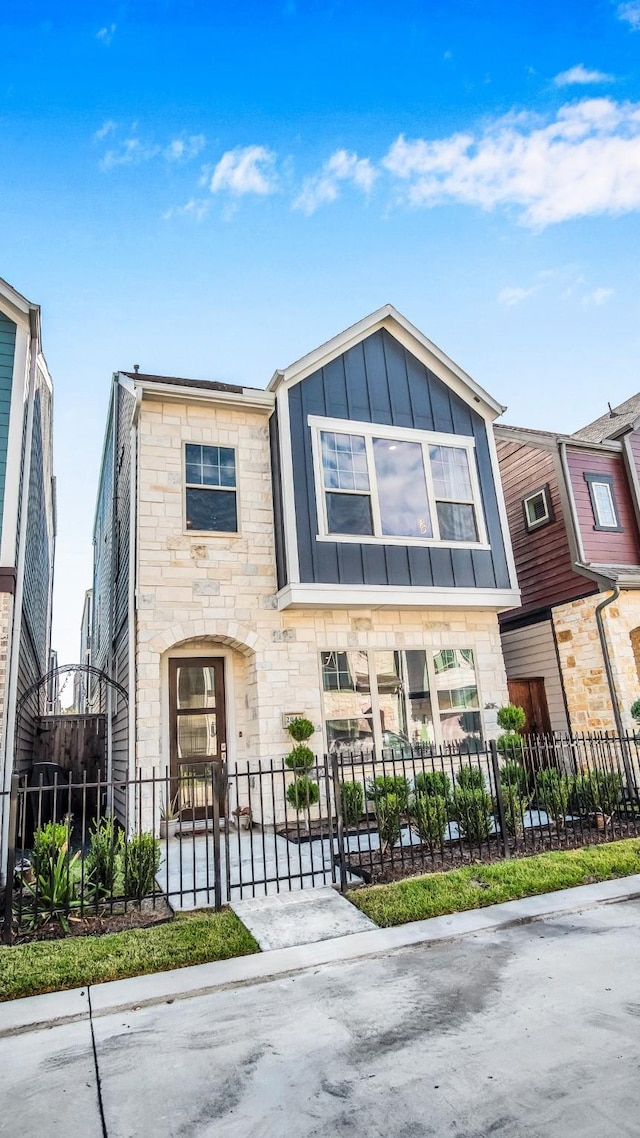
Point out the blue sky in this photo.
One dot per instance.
(212, 189)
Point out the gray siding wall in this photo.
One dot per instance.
(530, 653)
(7, 352)
(378, 381)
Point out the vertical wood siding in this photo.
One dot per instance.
(378, 381)
(7, 352)
(543, 557)
(604, 547)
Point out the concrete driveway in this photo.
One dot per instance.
(533, 1031)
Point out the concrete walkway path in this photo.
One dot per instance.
(306, 917)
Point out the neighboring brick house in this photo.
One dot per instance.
(572, 650)
(334, 545)
(27, 521)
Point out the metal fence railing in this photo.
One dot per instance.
(93, 848)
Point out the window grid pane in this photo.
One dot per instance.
(344, 462)
(450, 470)
(210, 466)
(605, 511)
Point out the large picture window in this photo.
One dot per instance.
(386, 484)
(210, 495)
(395, 699)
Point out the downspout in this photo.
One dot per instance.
(16, 623)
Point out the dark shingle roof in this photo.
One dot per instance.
(209, 384)
(612, 423)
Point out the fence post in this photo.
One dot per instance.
(218, 771)
(337, 798)
(493, 747)
(7, 931)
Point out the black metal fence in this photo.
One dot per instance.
(87, 850)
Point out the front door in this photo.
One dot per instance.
(532, 697)
(198, 732)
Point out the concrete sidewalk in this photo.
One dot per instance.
(57, 1008)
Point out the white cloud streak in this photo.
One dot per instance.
(597, 298)
(509, 297)
(630, 12)
(196, 208)
(105, 35)
(580, 75)
(343, 166)
(583, 163)
(184, 149)
(106, 129)
(245, 170)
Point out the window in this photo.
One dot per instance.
(210, 498)
(395, 485)
(537, 509)
(393, 699)
(603, 501)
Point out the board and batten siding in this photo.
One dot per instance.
(7, 354)
(543, 556)
(379, 381)
(529, 654)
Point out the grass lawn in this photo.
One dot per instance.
(476, 886)
(73, 962)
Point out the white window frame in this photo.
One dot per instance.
(426, 439)
(215, 533)
(535, 524)
(430, 651)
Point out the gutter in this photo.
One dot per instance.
(575, 524)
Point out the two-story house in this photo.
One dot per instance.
(334, 545)
(27, 527)
(572, 650)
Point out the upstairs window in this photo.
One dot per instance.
(393, 485)
(211, 494)
(603, 502)
(537, 509)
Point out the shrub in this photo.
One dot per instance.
(598, 790)
(302, 793)
(54, 890)
(635, 710)
(429, 815)
(301, 729)
(389, 808)
(513, 775)
(470, 778)
(48, 841)
(141, 863)
(511, 718)
(553, 793)
(514, 807)
(103, 857)
(510, 743)
(387, 784)
(352, 798)
(472, 810)
(301, 758)
(432, 783)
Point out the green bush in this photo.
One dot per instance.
(141, 863)
(514, 775)
(598, 790)
(301, 758)
(432, 783)
(352, 798)
(514, 807)
(635, 710)
(387, 784)
(301, 729)
(103, 857)
(48, 841)
(511, 743)
(429, 816)
(553, 793)
(472, 810)
(53, 891)
(470, 778)
(389, 809)
(511, 718)
(303, 793)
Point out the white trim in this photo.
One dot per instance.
(411, 338)
(398, 434)
(292, 573)
(502, 511)
(248, 399)
(535, 523)
(310, 595)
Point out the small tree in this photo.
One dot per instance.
(303, 792)
(512, 719)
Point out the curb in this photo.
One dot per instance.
(35, 1013)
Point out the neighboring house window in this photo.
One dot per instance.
(389, 484)
(211, 493)
(393, 699)
(537, 509)
(603, 501)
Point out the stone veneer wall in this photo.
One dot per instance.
(585, 679)
(218, 594)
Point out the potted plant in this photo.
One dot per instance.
(169, 817)
(244, 817)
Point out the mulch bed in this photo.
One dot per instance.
(98, 924)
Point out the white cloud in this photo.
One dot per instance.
(245, 170)
(105, 35)
(586, 161)
(631, 13)
(581, 75)
(184, 149)
(195, 207)
(511, 296)
(342, 166)
(130, 152)
(598, 297)
(107, 128)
